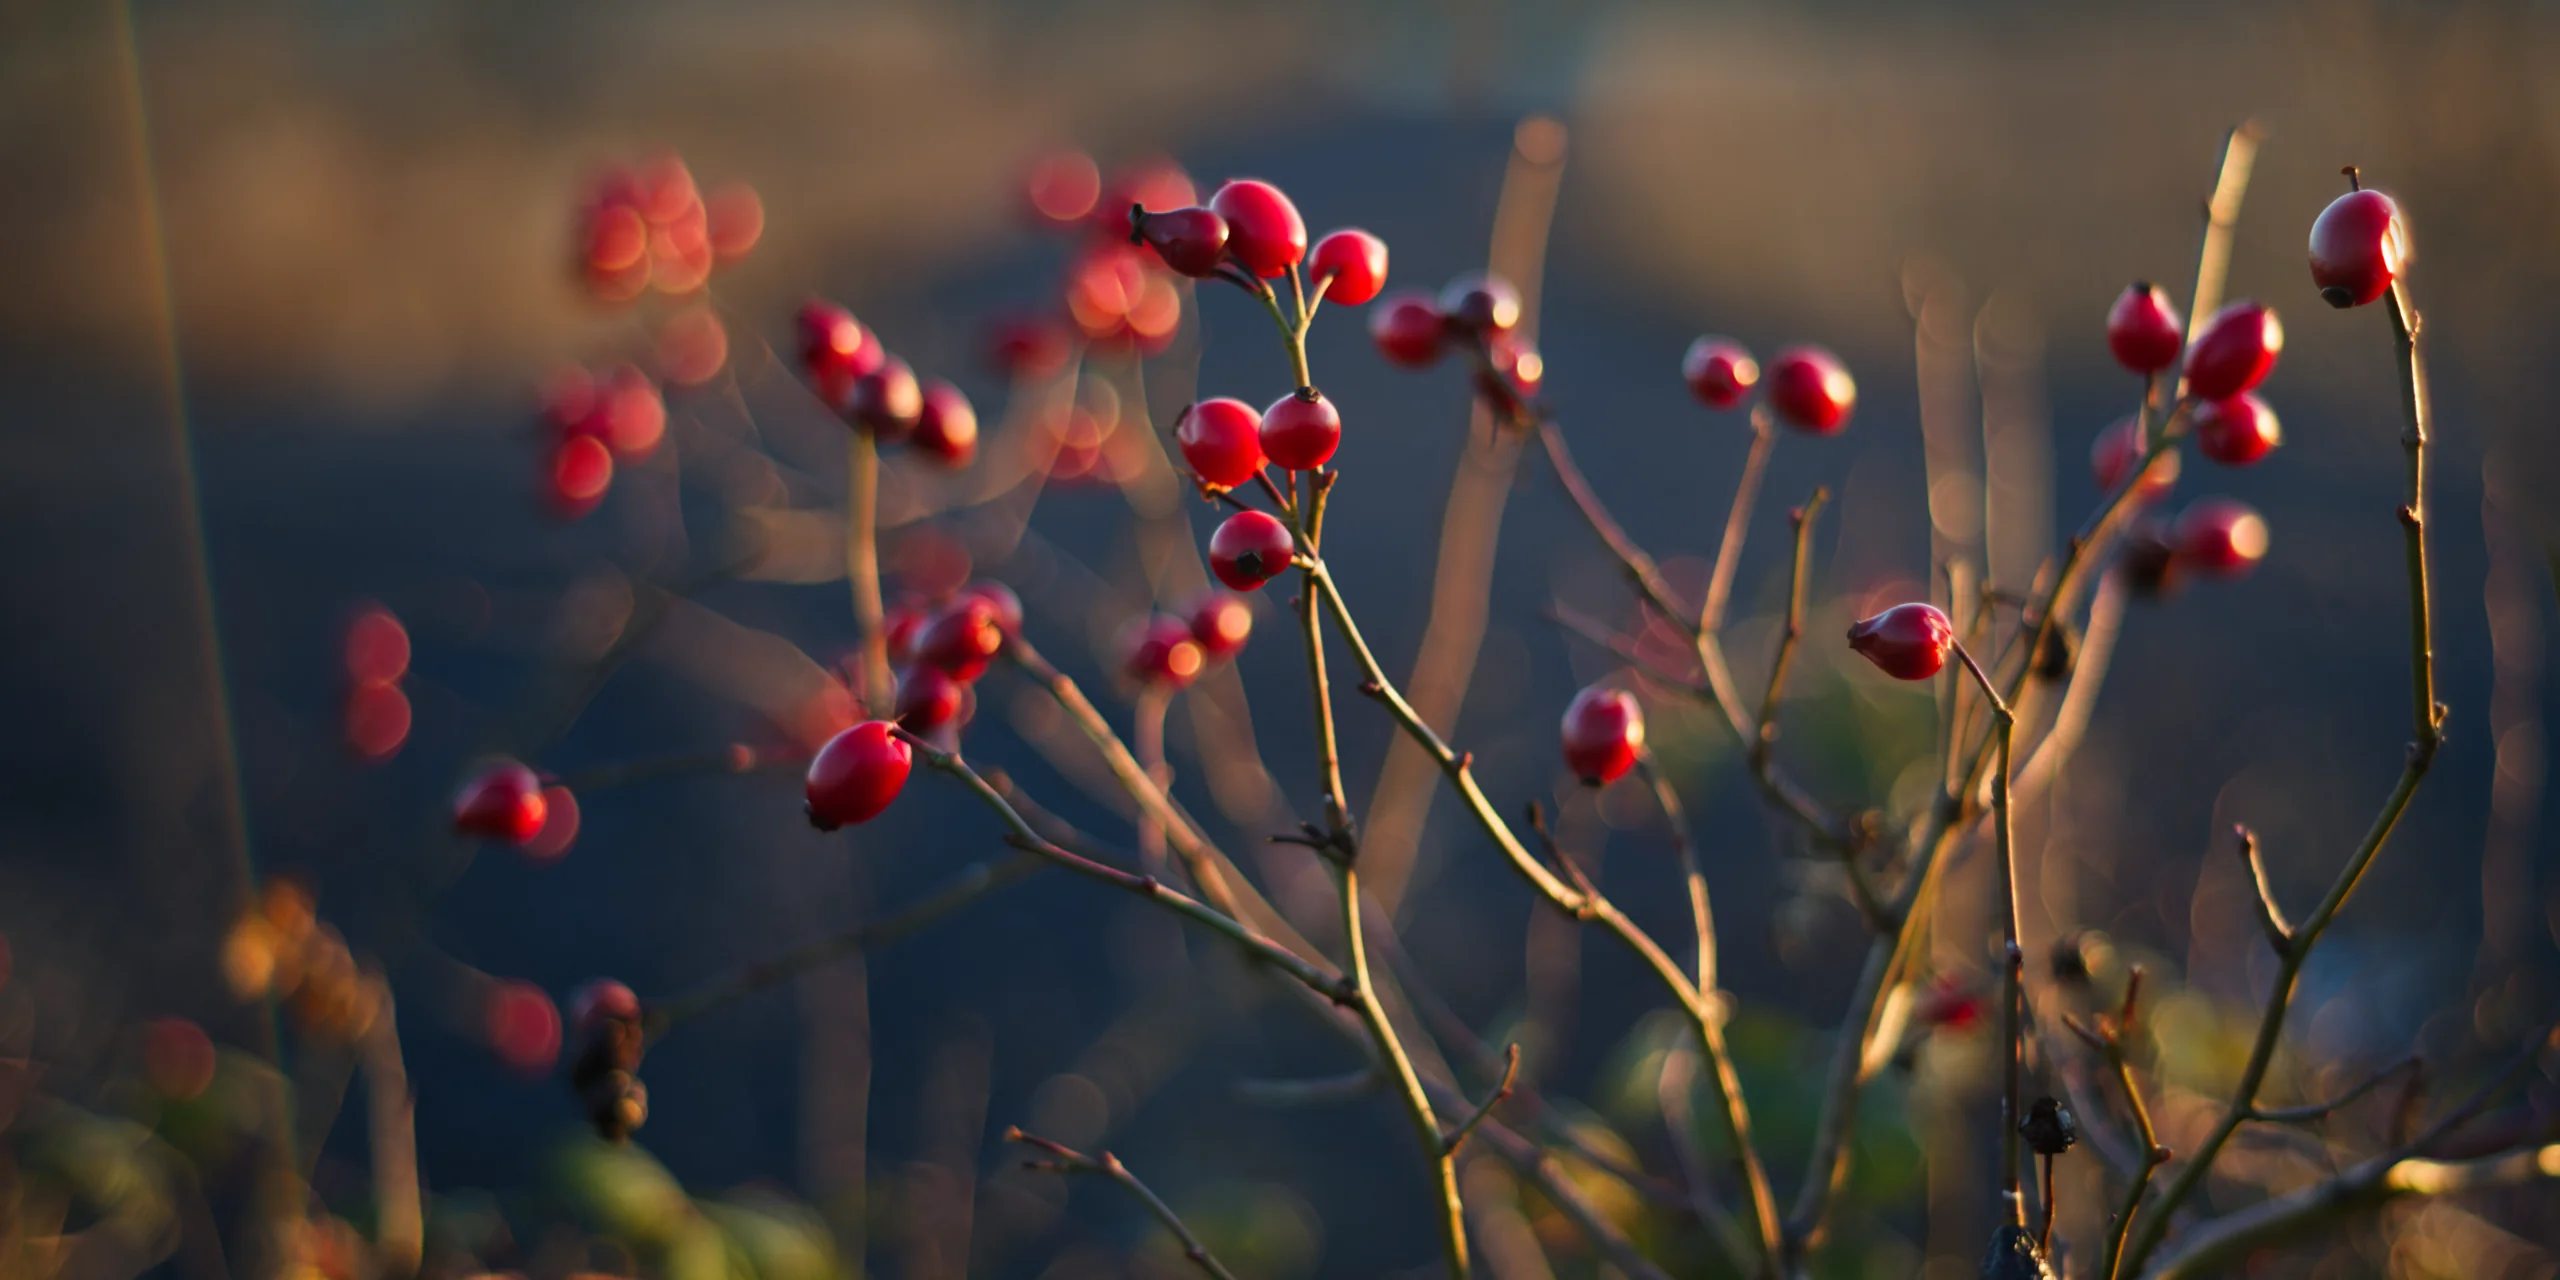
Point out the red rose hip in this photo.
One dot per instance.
(1264, 231)
(928, 698)
(1221, 442)
(946, 425)
(1221, 622)
(1161, 653)
(1482, 304)
(1000, 598)
(2234, 352)
(2358, 245)
(1356, 263)
(886, 401)
(1301, 430)
(503, 803)
(2237, 431)
(856, 775)
(1719, 371)
(599, 1002)
(2119, 449)
(961, 640)
(1811, 390)
(2143, 330)
(1192, 241)
(1603, 733)
(1409, 331)
(1250, 549)
(1907, 641)
(2220, 537)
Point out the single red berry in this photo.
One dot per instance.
(1603, 733)
(830, 338)
(886, 401)
(560, 819)
(2143, 330)
(1264, 231)
(377, 646)
(178, 1058)
(2237, 431)
(1719, 371)
(2234, 352)
(928, 698)
(1221, 622)
(576, 476)
(503, 803)
(1482, 304)
(946, 427)
(376, 720)
(1301, 430)
(1811, 390)
(2358, 245)
(1250, 549)
(1192, 241)
(1356, 263)
(2118, 449)
(599, 1002)
(522, 1026)
(1409, 330)
(1513, 371)
(856, 775)
(1161, 652)
(1063, 185)
(1001, 599)
(736, 219)
(961, 640)
(1221, 442)
(899, 628)
(2220, 537)
(1907, 641)
(629, 415)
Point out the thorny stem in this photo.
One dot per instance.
(1510, 1076)
(1068, 1160)
(2427, 727)
(1737, 520)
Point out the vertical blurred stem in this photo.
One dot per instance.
(400, 1223)
(862, 567)
(1148, 732)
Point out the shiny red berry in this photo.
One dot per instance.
(522, 1027)
(1301, 430)
(928, 698)
(1192, 241)
(831, 340)
(1221, 442)
(2220, 537)
(1250, 549)
(2143, 330)
(503, 803)
(1409, 330)
(2234, 352)
(961, 640)
(1719, 371)
(1160, 652)
(1221, 622)
(1907, 641)
(898, 631)
(1264, 231)
(886, 401)
(2358, 245)
(576, 476)
(1356, 263)
(1811, 390)
(2237, 431)
(2120, 448)
(1603, 733)
(599, 1002)
(1482, 304)
(946, 425)
(856, 775)
(1001, 599)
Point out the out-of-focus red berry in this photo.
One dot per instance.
(376, 720)
(2118, 449)
(2358, 245)
(522, 1027)
(856, 775)
(560, 819)
(961, 640)
(2143, 330)
(504, 802)
(1356, 263)
(1410, 331)
(1602, 734)
(1514, 371)
(576, 476)
(568, 396)
(599, 1002)
(1301, 430)
(1063, 185)
(1250, 549)
(2234, 352)
(177, 1058)
(1192, 241)
(1154, 184)
(1105, 284)
(2220, 537)
(1907, 641)
(947, 427)
(692, 347)
(1482, 304)
(928, 699)
(1026, 346)
(899, 628)
(629, 414)
(887, 401)
(376, 646)
(1006, 605)
(830, 338)
(1948, 1005)
(1264, 231)
(1221, 442)
(736, 216)
(1160, 652)
(1719, 371)
(1811, 390)
(2237, 431)
(1221, 622)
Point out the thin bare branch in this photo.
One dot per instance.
(1065, 1159)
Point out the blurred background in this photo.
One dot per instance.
(285, 279)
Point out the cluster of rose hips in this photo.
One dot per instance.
(507, 803)
(375, 654)
(1167, 652)
(280, 948)
(649, 226)
(878, 394)
(594, 422)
